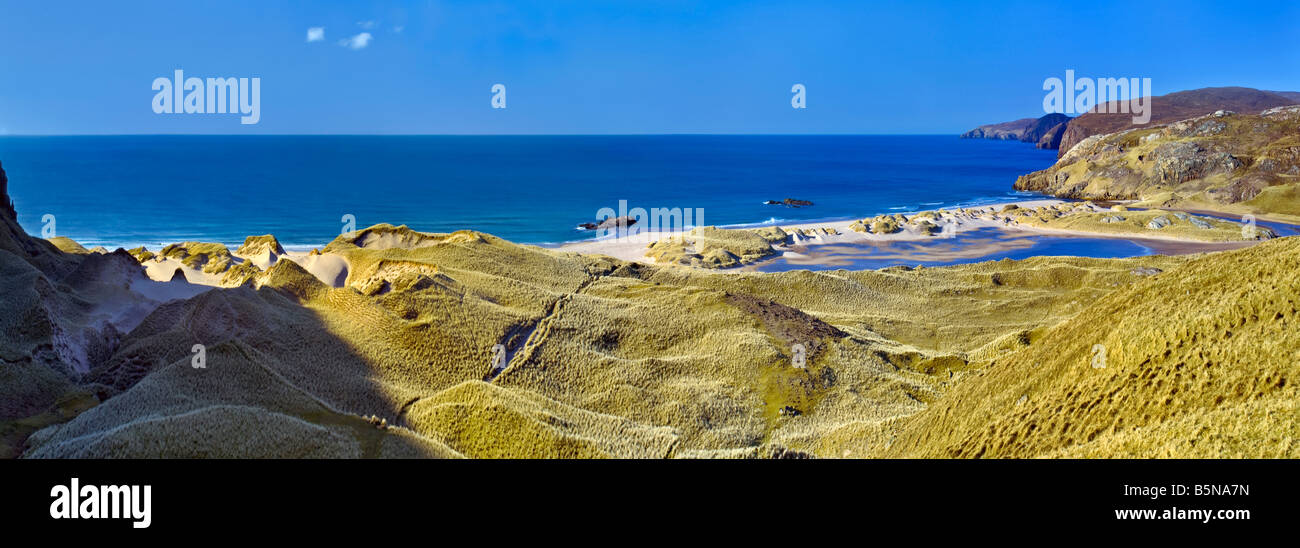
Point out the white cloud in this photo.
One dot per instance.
(315, 34)
(398, 29)
(356, 42)
(366, 24)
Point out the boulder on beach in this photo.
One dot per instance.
(1159, 223)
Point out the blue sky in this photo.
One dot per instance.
(617, 67)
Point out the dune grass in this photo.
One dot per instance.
(605, 358)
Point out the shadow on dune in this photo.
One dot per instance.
(97, 363)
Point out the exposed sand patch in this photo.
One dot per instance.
(633, 248)
(329, 268)
(162, 270)
(167, 291)
(261, 251)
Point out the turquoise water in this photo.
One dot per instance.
(147, 190)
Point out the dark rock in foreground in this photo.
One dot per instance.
(6, 205)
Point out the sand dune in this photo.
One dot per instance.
(384, 344)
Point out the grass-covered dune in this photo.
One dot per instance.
(605, 358)
(1198, 361)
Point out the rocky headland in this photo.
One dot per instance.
(1060, 132)
(1223, 161)
(1043, 132)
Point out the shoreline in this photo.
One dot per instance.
(585, 245)
(804, 249)
(811, 244)
(558, 246)
(624, 248)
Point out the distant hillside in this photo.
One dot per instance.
(1006, 131)
(1060, 132)
(1172, 108)
(1292, 95)
(1030, 130)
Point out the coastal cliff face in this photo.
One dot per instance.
(1060, 132)
(1030, 130)
(6, 205)
(1005, 131)
(1223, 161)
(1170, 108)
(1051, 139)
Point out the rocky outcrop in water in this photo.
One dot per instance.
(789, 202)
(609, 223)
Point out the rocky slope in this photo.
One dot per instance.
(1170, 108)
(1224, 161)
(6, 205)
(1060, 132)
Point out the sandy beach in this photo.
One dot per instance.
(633, 248)
(971, 234)
(823, 248)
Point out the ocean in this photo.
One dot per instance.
(150, 190)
